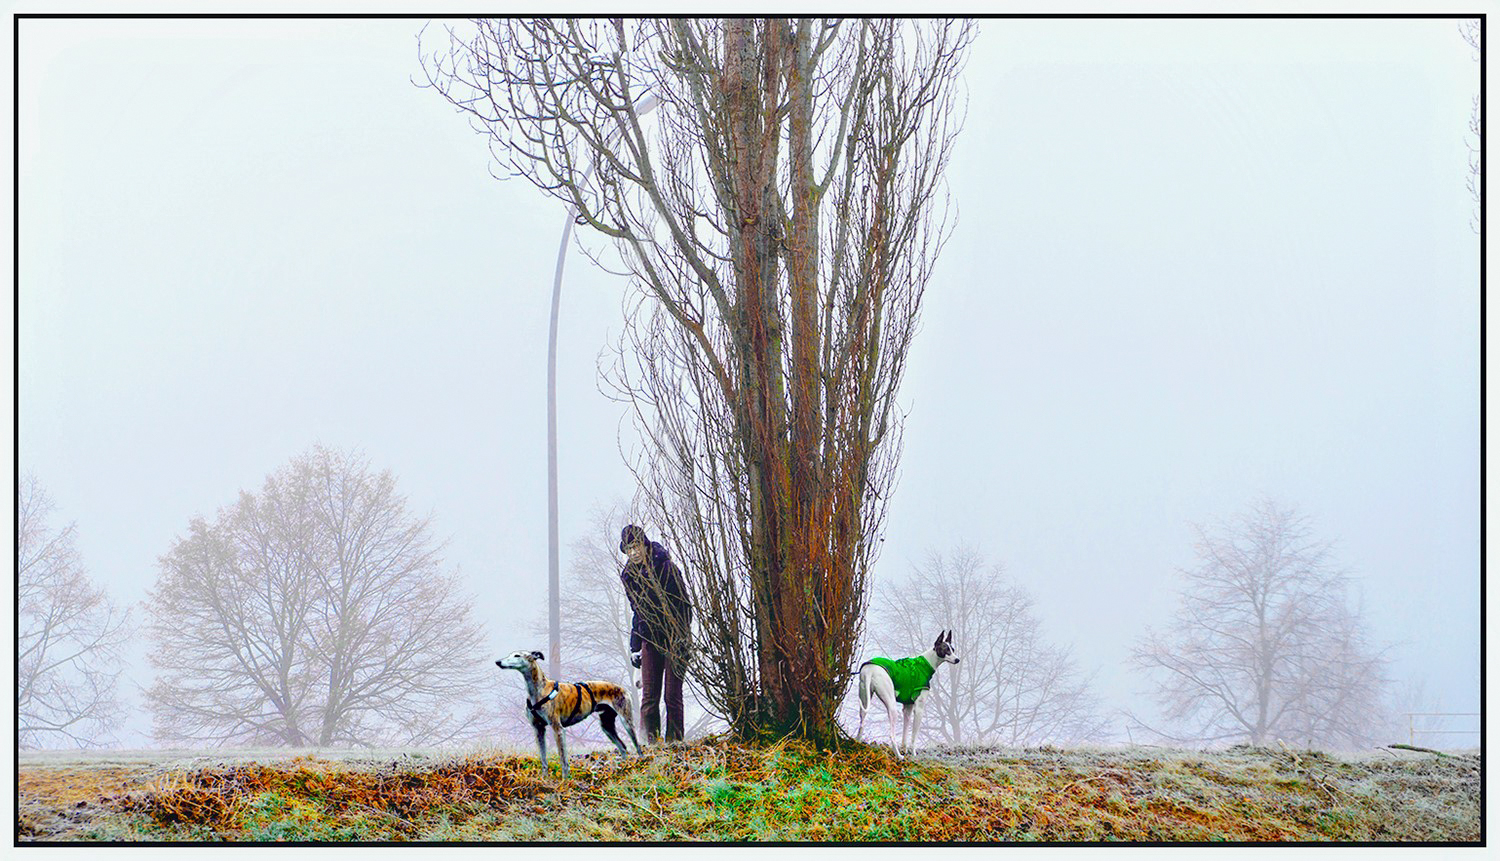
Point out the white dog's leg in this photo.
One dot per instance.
(875, 681)
(864, 702)
(906, 725)
(916, 718)
(893, 709)
(885, 691)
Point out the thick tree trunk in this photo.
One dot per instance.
(751, 88)
(804, 518)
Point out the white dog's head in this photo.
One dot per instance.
(944, 647)
(522, 661)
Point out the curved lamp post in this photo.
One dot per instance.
(554, 615)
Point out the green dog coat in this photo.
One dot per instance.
(910, 675)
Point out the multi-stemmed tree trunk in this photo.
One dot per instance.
(777, 214)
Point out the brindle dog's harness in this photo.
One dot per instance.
(536, 707)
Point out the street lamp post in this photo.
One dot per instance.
(554, 613)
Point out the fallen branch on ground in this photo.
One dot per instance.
(1420, 749)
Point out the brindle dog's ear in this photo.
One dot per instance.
(538, 656)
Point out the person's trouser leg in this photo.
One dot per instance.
(653, 664)
(672, 691)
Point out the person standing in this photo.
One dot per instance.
(659, 629)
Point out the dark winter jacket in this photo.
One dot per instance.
(660, 612)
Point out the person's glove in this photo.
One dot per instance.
(635, 660)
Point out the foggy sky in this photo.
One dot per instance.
(1196, 263)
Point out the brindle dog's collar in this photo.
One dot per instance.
(535, 707)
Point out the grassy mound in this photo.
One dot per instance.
(716, 790)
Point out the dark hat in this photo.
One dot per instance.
(631, 534)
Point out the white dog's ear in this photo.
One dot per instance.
(539, 656)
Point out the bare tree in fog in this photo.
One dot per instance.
(777, 214)
(1469, 29)
(1263, 645)
(69, 635)
(1012, 687)
(316, 612)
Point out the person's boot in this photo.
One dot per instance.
(652, 721)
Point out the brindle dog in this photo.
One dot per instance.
(566, 703)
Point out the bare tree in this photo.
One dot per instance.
(1012, 687)
(69, 635)
(317, 612)
(776, 216)
(1473, 34)
(1263, 645)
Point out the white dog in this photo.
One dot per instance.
(902, 681)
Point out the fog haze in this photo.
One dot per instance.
(1196, 263)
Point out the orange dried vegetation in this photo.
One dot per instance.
(217, 797)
